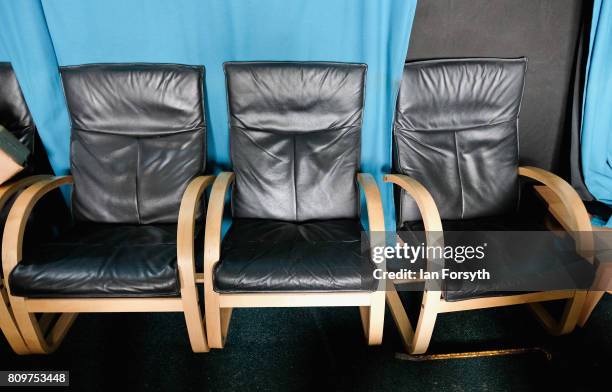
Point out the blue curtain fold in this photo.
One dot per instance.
(44, 33)
(25, 42)
(596, 137)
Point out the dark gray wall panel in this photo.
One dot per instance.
(545, 31)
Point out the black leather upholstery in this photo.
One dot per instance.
(138, 138)
(101, 260)
(295, 139)
(518, 260)
(259, 255)
(15, 116)
(531, 215)
(455, 131)
(14, 113)
(295, 146)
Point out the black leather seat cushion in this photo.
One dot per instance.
(517, 260)
(101, 260)
(259, 255)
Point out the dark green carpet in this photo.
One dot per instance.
(323, 349)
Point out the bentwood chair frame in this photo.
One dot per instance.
(17, 117)
(603, 276)
(219, 305)
(281, 88)
(438, 97)
(42, 336)
(7, 320)
(416, 339)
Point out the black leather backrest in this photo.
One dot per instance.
(14, 113)
(456, 131)
(138, 138)
(295, 134)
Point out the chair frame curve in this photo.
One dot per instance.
(7, 320)
(219, 305)
(603, 276)
(43, 336)
(416, 341)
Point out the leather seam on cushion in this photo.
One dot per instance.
(253, 291)
(202, 100)
(136, 177)
(64, 243)
(459, 172)
(295, 132)
(252, 140)
(518, 135)
(491, 60)
(147, 135)
(295, 198)
(396, 166)
(173, 294)
(459, 129)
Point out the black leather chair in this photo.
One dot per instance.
(138, 149)
(295, 238)
(457, 162)
(16, 118)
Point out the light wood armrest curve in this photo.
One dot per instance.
(185, 237)
(422, 197)
(565, 192)
(12, 241)
(10, 188)
(434, 234)
(214, 220)
(376, 216)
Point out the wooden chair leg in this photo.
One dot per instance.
(400, 317)
(32, 333)
(217, 322)
(571, 313)
(415, 342)
(603, 280)
(193, 318)
(426, 323)
(569, 319)
(9, 328)
(373, 319)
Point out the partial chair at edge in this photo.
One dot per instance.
(603, 257)
(295, 239)
(16, 118)
(457, 163)
(137, 155)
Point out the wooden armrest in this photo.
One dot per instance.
(578, 217)
(214, 220)
(9, 189)
(376, 217)
(422, 197)
(434, 235)
(185, 250)
(567, 195)
(17, 220)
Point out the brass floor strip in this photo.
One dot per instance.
(472, 354)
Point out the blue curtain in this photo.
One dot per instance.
(25, 42)
(596, 139)
(71, 32)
